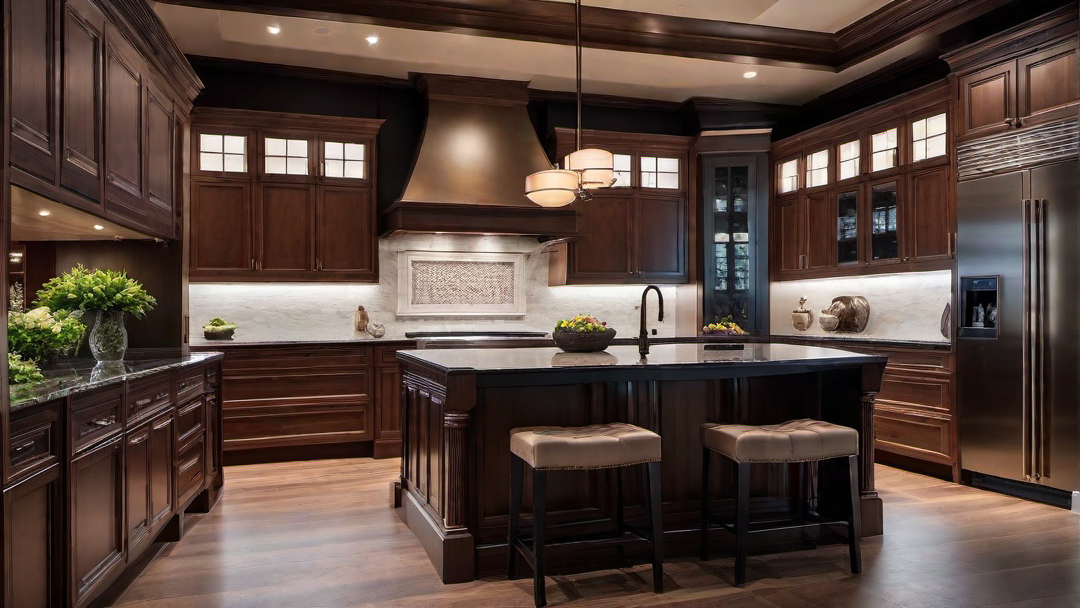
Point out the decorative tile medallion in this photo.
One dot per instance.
(461, 284)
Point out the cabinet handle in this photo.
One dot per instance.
(952, 244)
(253, 263)
(103, 422)
(162, 395)
(164, 423)
(1009, 121)
(906, 258)
(137, 440)
(16, 452)
(1019, 122)
(318, 264)
(142, 402)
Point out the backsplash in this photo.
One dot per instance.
(904, 306)
(324, 311)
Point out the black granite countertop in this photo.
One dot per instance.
(661, 355)
(869, 342)
(73, 376)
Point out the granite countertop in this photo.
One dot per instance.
(73, 376)
(856, 340)
(661, 355)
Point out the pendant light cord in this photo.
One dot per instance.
(577, 23)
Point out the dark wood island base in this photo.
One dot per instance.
(459, 407)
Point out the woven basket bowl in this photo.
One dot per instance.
(584, 342)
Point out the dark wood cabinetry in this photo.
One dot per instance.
(92, 124)
(1020, 78)
(83, 505)
(305, 213)
(635, 231)
(897, 218)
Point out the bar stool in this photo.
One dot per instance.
(795, 441)
(598, 446)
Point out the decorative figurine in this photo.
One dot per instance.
(978, 316)
(991, 316)
(801, 317)
(848, 314)
(376, 330)
(360, 319)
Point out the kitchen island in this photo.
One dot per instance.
(459, 406)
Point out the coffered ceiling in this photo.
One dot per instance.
(667, 51)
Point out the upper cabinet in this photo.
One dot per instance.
(92, 124)
(871, 193)
(280, 197)
(1020, 78)
(636, 231)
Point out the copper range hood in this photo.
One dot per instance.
(469, 175)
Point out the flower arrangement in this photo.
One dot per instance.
(726, 327)
(581, 324)
(22, 372)
(105, 290)
(41, 334)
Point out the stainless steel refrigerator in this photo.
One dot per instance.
(1018, 328)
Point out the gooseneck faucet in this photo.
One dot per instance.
(643, 337)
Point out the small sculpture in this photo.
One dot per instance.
(991, 316)
(946, 320)
(360, 319)
(376, 330)
(848, 314)
(978, 316)
(801, 317)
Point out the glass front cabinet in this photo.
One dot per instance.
(736, 278)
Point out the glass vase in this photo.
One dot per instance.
(109, 338)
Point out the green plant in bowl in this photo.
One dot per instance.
(218, 329)
(43, 335)
(104, 290)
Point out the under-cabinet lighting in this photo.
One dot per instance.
(98, 227)
(273, 29)
(44, 213)
(372, 39)
(749, 74)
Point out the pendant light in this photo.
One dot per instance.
(591, 168)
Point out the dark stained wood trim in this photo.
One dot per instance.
(553, 22)
(255, 119)
(295, 71)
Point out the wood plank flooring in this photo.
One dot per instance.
(320, 534)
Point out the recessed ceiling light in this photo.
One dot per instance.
(273, 29)
(322, 31)
(44, 213)
(372, 39)
(98, 227)
(749, 74)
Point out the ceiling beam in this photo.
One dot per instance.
(619, 30)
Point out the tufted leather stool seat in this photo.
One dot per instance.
(800, 442)
(597, 446)
(792, 441)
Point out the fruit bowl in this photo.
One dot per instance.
(582, 334)
(726, 327)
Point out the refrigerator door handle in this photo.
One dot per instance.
(1027, 402)
(1042, 314)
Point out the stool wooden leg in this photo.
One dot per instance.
(656, 538)
(539, 507)
(706, 503)
(620, 510)
(742, 519)
(855, 523)
(517, 471)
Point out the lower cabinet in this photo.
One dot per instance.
(32, 512)
(162, 497)
(96, 507)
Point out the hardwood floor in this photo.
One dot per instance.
(320, 534)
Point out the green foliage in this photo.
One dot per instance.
(41, 334)
(218, 324)
(580, 324)
(22, 372)
(82, 289)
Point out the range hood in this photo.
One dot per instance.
(469, 175)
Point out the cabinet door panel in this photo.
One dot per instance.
(883, 222)
(1047, 82)
(786, 236)
(138, 490)
(97, 518)
(346, 230)
(604, 251)
(821, 230)
(930, 215)
(221, 226)
(660, 238)
(160, 147)
(161, 470)
(32, 508)
(81, 114)
(123, 131)
(285, 227)
(987, 99)
(33, 87)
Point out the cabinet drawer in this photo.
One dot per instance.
(34, 442)
(190, 384)
(387, 355)
(189, 420)
(923, 391)
(914, 435)
(96, 416)
(189, 469)
(148, 395)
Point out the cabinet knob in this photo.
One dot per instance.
(1009, 121)
(1019, 122)
(906, 258)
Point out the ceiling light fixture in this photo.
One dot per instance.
(44, 213)
(749, 74)
(98, 227)
(273, 29)
(590, 168)
(372, 39)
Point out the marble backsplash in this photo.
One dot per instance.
(904, 306)
(324, 311)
